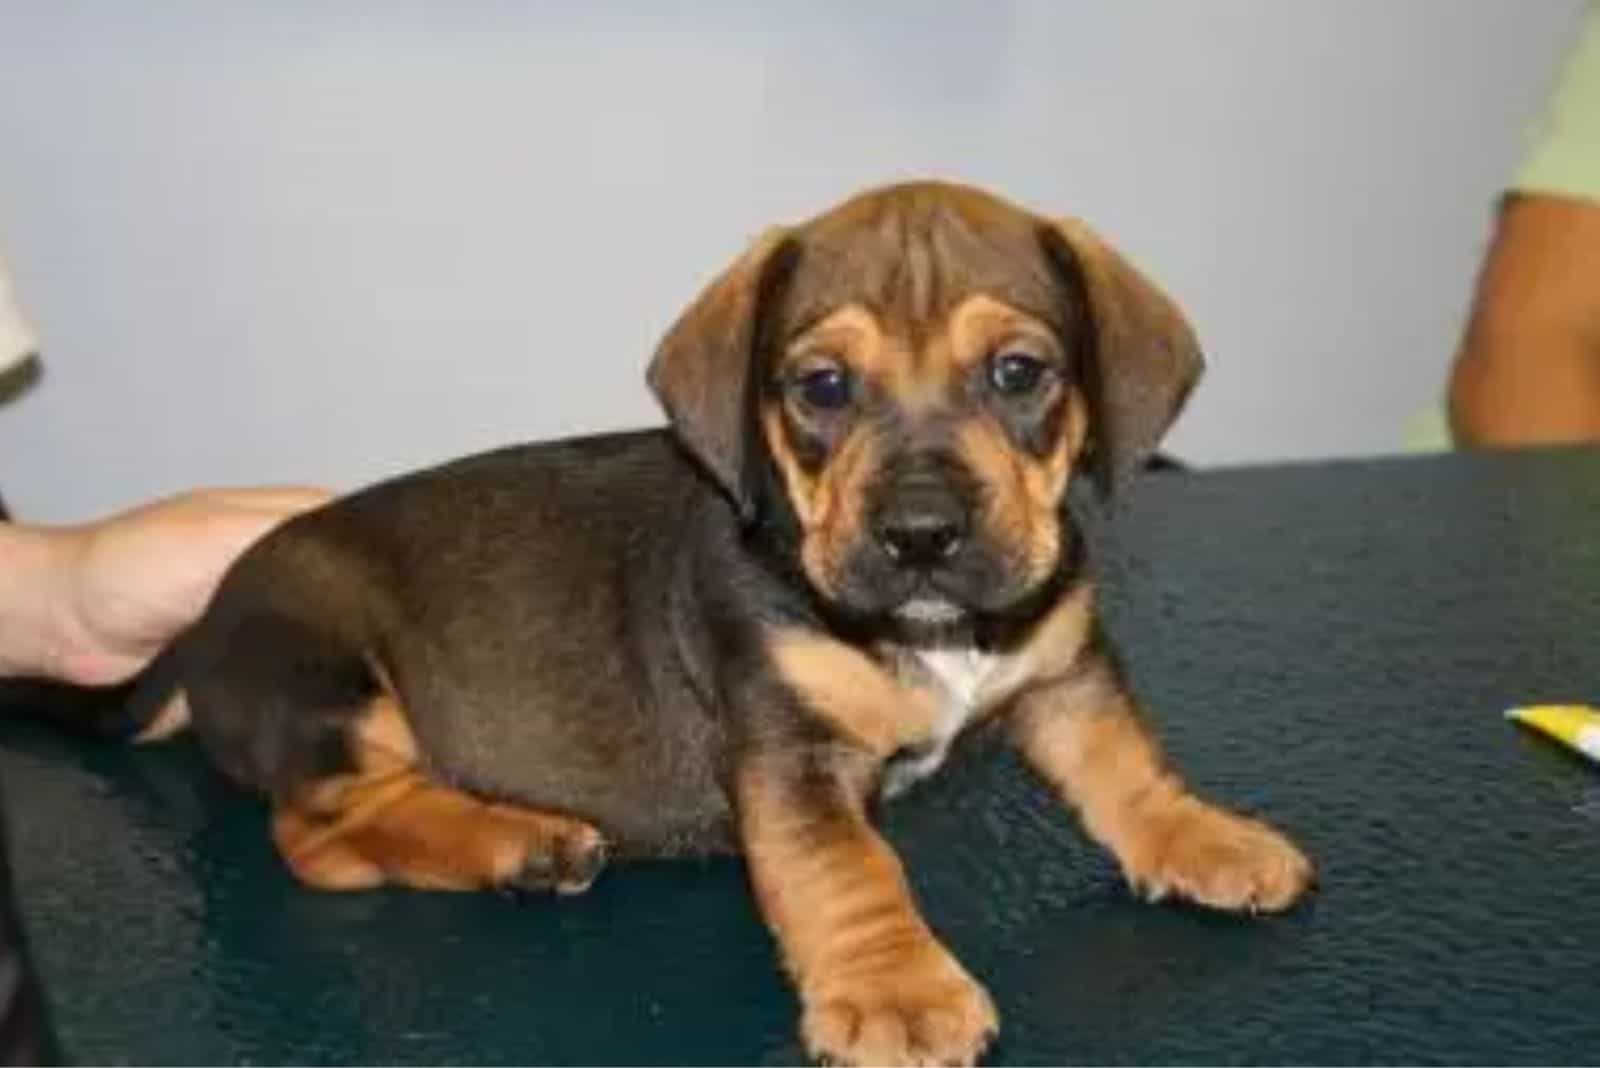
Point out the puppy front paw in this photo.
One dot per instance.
(925, 1010)
(1216, 858)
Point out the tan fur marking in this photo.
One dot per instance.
(851, 334)
(856, 696)
(840, 489)
(981, 324)
(882, 354)
(1085, 736)
(383, 738)
(1046, 482)
(1016, 513)
(172, 718)
(876, 985)
(1024, 492)
(795, 480)
(1075, 435)
(389, 822)
(855, 337)
(405, 829)
(1052, 650)
(828, 505)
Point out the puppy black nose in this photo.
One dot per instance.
(921, 537)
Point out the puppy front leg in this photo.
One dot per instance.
(876, 986)
(1084, 736)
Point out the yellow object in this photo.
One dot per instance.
(1575, 726)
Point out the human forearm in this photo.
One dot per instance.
(36, 619)
(1529, 369)
(92, 604)
(1497, 402)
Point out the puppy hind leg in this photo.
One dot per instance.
(403, 828)
(313, 721)
(389, 822)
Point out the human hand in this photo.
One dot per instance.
(92, 604)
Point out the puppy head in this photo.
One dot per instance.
(918, 374)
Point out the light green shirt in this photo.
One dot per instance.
(1565, 156)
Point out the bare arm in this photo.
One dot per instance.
(92, 604)
(1529, 369)
(33, 600)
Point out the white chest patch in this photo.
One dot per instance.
(961, 674)
(967, 682)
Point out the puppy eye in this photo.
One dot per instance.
(824, 388)
(1017, 374)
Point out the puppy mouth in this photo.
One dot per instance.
(979, 586)
(929, 610)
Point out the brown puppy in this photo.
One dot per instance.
(852, 545)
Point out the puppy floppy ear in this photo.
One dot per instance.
(704, 372)
(1142, 359)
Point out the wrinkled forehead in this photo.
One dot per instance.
(911, 260)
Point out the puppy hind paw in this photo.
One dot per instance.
(565, 862)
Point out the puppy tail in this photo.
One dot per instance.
(275, 696)
(156, 707)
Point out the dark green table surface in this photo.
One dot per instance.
(1329, 644)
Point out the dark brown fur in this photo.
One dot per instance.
(734, 635)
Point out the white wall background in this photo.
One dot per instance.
(275, 242)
